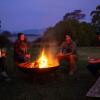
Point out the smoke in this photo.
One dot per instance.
(51, 50)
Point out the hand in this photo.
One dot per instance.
(27, 55)
(60, 54)
(90, 59)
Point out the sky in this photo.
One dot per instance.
(18, 15)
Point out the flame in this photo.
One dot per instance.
(46, 60)
(43, 61)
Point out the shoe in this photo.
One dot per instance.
(4, 74)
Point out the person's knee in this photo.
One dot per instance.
(72, 60)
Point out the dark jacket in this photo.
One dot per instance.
(20, 50)
(69, 48)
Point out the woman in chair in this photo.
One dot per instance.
(21, 49)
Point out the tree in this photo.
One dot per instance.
(81, 32)
(96, 19)
(4, 40)
(96, 15)
(0, 26)
(76, 15)
(6, 33)
(0, 23)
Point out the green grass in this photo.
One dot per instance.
(53, 86)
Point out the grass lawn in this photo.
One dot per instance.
(54, 86)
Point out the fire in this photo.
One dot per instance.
(46, 60)
(43, 61)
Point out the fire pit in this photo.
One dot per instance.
(31, 70)
(44, 64)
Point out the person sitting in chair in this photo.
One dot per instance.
(21, 49)
(94, 65)
(68, 52)
(3, 65)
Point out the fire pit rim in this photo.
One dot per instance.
(38, 70)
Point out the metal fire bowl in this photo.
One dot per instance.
(38, 70)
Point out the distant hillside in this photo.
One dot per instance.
(34, 31)
(26, 34)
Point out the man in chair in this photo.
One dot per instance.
(68, 52)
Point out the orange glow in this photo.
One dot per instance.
(45, 60)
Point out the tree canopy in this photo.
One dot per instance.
(82, 32)
(76, 15)
(96, 19)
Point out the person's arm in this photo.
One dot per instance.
(74, 48)
(17, 50)
(60, 51)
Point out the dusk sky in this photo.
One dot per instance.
(17, 15)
